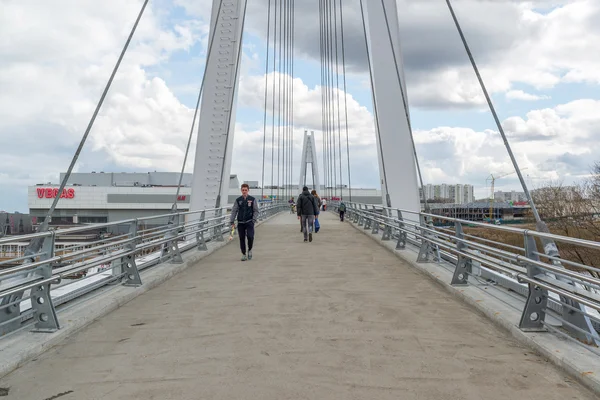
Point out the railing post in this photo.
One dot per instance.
(375, 222)
(357, 214)
(361, 218)
(200, 241)
(128, 265)
(368, 217)
(426, 246)
(387, 229)
(171, 249)
(534, 312)
(218, 228)
(401, 244)
(463, 266)
(41, 300)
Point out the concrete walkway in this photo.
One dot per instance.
(338, 318)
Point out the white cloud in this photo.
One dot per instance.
(521, 95)
(553, 143)
(58, 59)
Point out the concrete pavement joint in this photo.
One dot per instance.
(21, 347)
(582, 365)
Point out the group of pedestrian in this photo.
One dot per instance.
(308, 207)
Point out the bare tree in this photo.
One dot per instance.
(573, 211)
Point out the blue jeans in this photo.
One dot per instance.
(308, 225)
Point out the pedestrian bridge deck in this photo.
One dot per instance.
(338, 318)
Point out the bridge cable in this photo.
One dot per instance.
(330, 104)
(289, 98)
(187, 149)
(292, 83)
(322, 55)
(493, 110)
(236, 70)
(405, 103)
(375, 112)
(332, 98)
(323, 94)
(327, 103)
(282, 90)
(333, 141)
(337, 77)
(290, 131)
(273, 98)
(36, 244)
(345, 96)
(279, 71)
(262, 182)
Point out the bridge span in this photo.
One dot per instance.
(338, 318)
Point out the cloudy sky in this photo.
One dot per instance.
(540, 60)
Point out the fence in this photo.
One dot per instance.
(61, 271)
(546, 287)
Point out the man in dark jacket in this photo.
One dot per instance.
(245, 208)
(307, 210)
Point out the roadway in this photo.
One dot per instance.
(338, 318)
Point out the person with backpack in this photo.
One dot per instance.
(307, 210)
(342, 210)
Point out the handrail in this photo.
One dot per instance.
(27, 290)
(545, 282)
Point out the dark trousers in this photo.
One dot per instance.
(342, 215)
(246, 231)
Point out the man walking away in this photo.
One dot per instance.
(307, 210)
(342, 210)
(245, 208)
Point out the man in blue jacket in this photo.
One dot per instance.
(245, 208)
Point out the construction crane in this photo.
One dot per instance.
(493, 179)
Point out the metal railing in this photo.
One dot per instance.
(33, 286)
(570, 296)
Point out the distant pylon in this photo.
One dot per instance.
(309, 156)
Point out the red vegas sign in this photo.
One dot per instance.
(50, 193)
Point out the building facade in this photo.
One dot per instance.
(511, 196)
(458, 193)
(109, 197)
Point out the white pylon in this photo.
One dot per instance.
(216, 122)
(394, 145)
(309, 156)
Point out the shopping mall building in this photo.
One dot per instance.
(108, 197)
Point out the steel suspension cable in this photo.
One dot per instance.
(279, 99)
(273, 98)
(496, 119)
(337, 83)
(290, 103)
(375, 113)
(332, 21)
(330, 111)
(262, 182)
(292, 113)
(327, 104)
(322, 54)
(405, 103)
(36, 244)
(332, 101)
(345, 96)
(283, 90)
